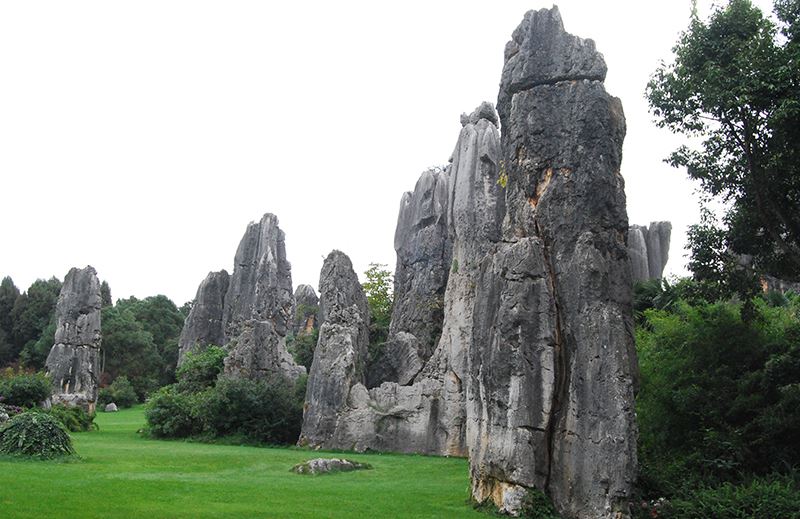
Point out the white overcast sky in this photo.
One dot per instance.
(142, 137)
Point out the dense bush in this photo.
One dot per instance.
(35, 434)
(302, 347)
(200, 370)
(121, 392)
(536, 505)
(25, 390)
(757, 499)
(75, 419)
(263, 411)
(257, 411)
(174, 414)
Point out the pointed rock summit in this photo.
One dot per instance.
(255, 315)
(550, 399)
(72, 364)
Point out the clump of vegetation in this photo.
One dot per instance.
(75, 419)
(120, 392)
(205, 406)
(24, 389)
(380, 298)
(536, 505)
(35, 434)
(302, 347)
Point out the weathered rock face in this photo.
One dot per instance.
(257, 311)
(306, 307)
(649, 250)
(424, 248)
(340, 356)
(428, 416)
(550, 401)
(204, 324)
(73, 361)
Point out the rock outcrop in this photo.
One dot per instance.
(258, 305)
(306, 308)
(424, 249)
(550, 386)
(428, 415)
(649, 250)
(340, 357)
(72, 364)
(204, 325)
(250, 311)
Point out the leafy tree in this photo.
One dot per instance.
(735, 85)
(159, 316)
(105, 295)
(8, 296)
(186, 308)
(302, 347)
(129, 349)
(200, 370)
(32, 312)
(378, 289)
(34, 354)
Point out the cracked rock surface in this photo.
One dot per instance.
(73, 363)
(550, 394)
(649, 250)
(203, 325)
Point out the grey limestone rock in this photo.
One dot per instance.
(204, 324)
(428, 415)
(257, 311)
(111, 408)
(340, 356)
(552, 364)
(306, 307)
(73, 364)
(424, 249)
(649, 250)
(328, 466)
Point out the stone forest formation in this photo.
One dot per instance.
(511, 336)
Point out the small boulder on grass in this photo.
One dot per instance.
(328, 465)
(111, 408)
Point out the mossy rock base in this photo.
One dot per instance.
(328, 466)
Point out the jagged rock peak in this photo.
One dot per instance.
(542, 52)
(73, 361)
(552, 361)
(484, 111)
(340, 356)
(204, 325)
(258, 305)
(649, 249)
(306, 307)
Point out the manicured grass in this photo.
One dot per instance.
(124, 475)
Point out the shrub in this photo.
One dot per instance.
(75, 419)
(757, 499)
(25, 390)
(302, 347)
(174, 414)
(263, 411)
(121, 392)
(200, 370)
(35, 434)
(536, 505)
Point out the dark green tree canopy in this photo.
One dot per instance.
(734, 86)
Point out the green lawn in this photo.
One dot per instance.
(124, 475)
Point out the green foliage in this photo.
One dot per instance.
(128, 349)
(159, 316)
(378, 288)
(8, 296)
(302, 347)
(756, 499)
(735, 84)
(34, 354)
(262, 411)
(120, 392)
(105, 295)
(200, 370)
(24, 389)
(32, 312)
(174, 414)
(720, 396)
(36, 435)
(74, 419)
(536, 505)
(255, 411)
